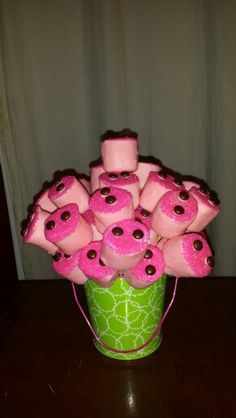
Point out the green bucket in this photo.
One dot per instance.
(125, 318)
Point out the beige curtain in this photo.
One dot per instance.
(73, 69)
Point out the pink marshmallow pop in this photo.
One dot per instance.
(95, 172)
(188, 255)
(44, 202)
(124, 244)
(34, 232)
(157, 184)
(110, 205)
(144, 216)
(89, 217)
(69, 190)
(124, 180)
(208, 209)
(175, 211)
(67, 228)
(67, 266)
(93, 266)
(119, 154)
(143, 170)
(150, 268)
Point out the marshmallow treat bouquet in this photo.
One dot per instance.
(121, 235)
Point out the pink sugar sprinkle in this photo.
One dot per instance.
(196, 259)
(65, 265)
(68, 182)
(157, 260)
(119, 181)
(126, 244)
(62, 228)
(92, 267)
(204, 198)
(171, 199)
(97, 201)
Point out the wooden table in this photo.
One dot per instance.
(50, 368)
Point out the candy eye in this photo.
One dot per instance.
(110, 199)
(60, 187)
(145, 213)
(57, 181)
(65, 216)
(57, 256)
(138, 234)
(214, 199)
(124, 174)
(178, 182)
(162, 174)
(179, 210)
(210, 261)
(184, 195)
(105, 191)
(67, 256)
(50, 225)
(112, 175)
(91, 254)
(148, 254)
(117, 231)
(197, 245)
(203, 190)
(150, 270)
(101, 262)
